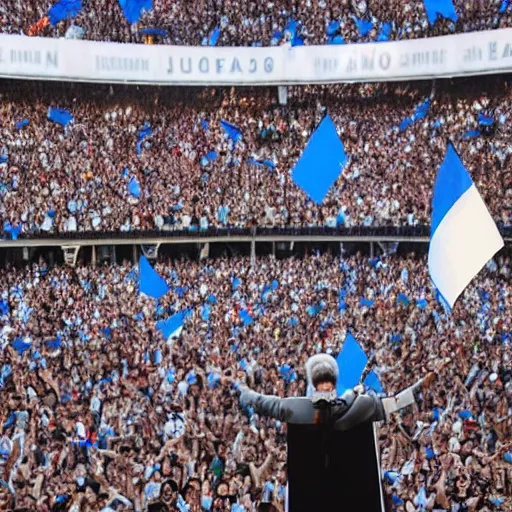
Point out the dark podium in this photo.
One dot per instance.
(333, 471)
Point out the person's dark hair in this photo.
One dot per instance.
(170, 483)
(323, 374)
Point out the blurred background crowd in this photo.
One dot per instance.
(240, 23)
(140, 158)
(99, 412)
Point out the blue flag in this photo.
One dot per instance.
(332, 28)
(21, 124)
(351, 363)
(213, 38)
(145, 132)
(372, 381)
(245, 317)
(422, 303)
(54, 344)
(60, 116)
(132, 9)
(384, 33)
(232, 131)
(134, 187)
(419, 113)
(366, 303)
(64, 9)
(262, 163)
(402, 299)
(205, 312)
(485, 120)
(363, 26)
(443, 8)
(472, 134)
(150, 282)
(14, 231)
(21, 346)
(321, 163)
(337, 39)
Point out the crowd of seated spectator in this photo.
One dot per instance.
(191, 176)
(111, 414)
(252, 23)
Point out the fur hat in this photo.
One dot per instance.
(321, 368)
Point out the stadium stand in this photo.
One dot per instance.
(106, 408)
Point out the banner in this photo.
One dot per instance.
(472, 53)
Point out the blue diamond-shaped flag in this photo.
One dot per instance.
(351, 361)
(321, 163)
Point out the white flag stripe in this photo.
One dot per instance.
(465, 240)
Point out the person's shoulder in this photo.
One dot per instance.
(348, 396)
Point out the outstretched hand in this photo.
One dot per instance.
(432, 376)
(429, 379)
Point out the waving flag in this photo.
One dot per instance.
(145, 132)
(64, 9)
(150, 282)
(21, 345)
(134, 187)
(133, 9)
(419, 113)
(443, 8)
(60, 116)
(232, 131)
(321, 162)
(351, 363)
(172, 327)
(463, 236)
(363, 26)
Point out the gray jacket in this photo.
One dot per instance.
(361, 408)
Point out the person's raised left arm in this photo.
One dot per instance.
(265, 405)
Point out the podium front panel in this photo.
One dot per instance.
(337, 472)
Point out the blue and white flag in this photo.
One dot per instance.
(232, 131)
(463, 235)
(145, 132)
(172, 327)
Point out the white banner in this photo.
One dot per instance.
(473, 53)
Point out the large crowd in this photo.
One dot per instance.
(159, 159)
(100, 412)
(243, 23)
